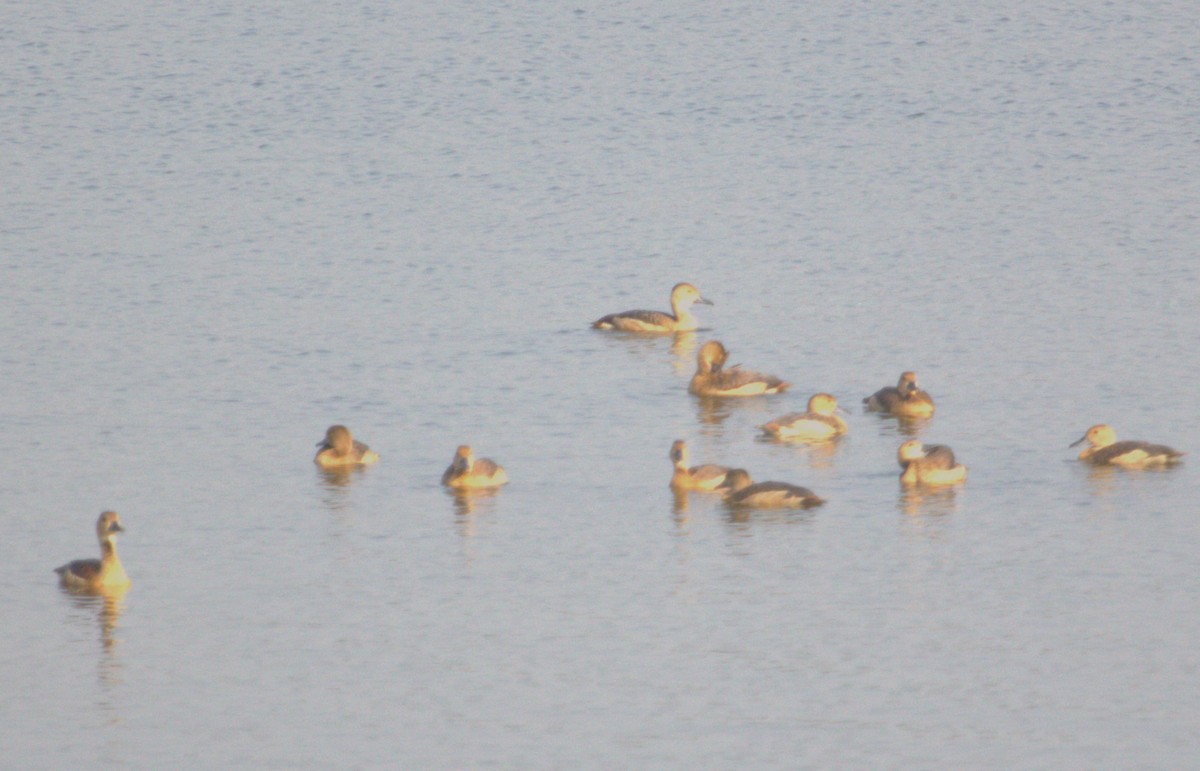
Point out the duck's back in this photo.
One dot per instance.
(737, 382)
(805, 424)
(363, 453)
(1134, 452)
(775, 494)
(636, 321)
(892, 400)
(938, 456)
(80, 571)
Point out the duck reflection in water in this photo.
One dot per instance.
(909, 426)
(683, 349)
(468, 500)
(109, 603)
(919, 501)
(338, 478)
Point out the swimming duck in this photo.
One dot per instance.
(338, 448)
(929, 464)
(904, 399)
(683, 297)
(1105, 449)
(819, 422)
(712, 380)
(106, 572)
(706, 477)
(742, 491)
(467, 472)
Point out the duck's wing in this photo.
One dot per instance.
(84, 570)
(886, 398)
(636, 320)
(777, 493)
(707, 472)
(939, 456)
(830, 420)
(1109, 453)
(784, 420)
(486, 467)
(736, 377)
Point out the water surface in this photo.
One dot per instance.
(228, 227)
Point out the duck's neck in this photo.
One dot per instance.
(112, 572)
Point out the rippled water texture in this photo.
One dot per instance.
(228, 226)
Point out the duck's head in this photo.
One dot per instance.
(108, 526)
(908, 383)
(822, 404)
(910, 451)
(735, 479)
(338, 439)
(679, 452)
(464, 457)
(1099, 435)
(684, 295)
(711, 357)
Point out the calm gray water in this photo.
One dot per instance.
(227, 226)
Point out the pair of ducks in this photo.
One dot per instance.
(922, 464)
(339, 450)
(711, 378)
(736, 485)
(935, 464)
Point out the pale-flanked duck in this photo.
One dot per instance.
(712, 379)
(1104, 450)
(740, 490)
(706, 477)
(466, 472)
(932, 464)
(106, 572)
(905, 399)
(339, 448)
(821, 421)
(680, 319)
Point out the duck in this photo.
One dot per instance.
(821, 421)
(741, 491)
(905, 399)
(712, 380)
(680, 319)
(339, 448)
(104, 573)
(932, 464)
(706, 477)
(466, 472)
(1105, 450)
